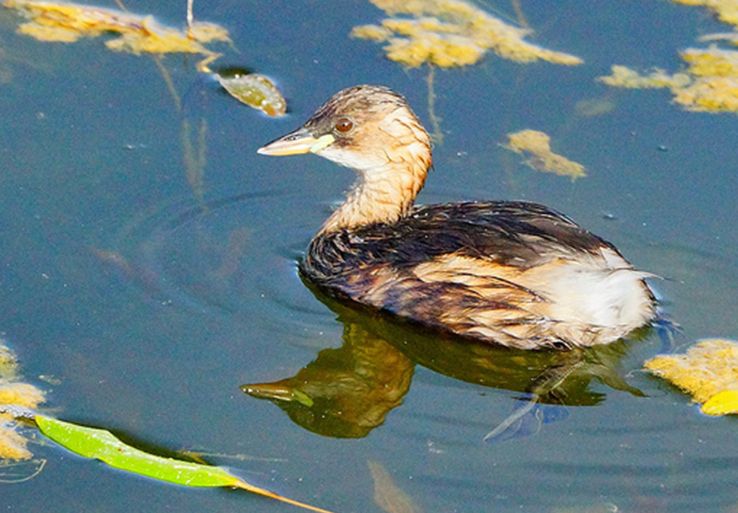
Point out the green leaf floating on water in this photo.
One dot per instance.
(103, 445)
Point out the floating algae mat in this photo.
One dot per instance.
(536, 146)
(708, 371)
(449, 33)
(68, 22)
(710, 81)
(14, 393)
(63, 22)
(726, 10)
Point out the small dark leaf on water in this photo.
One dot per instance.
(256, 91)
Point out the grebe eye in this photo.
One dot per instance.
(344, 125)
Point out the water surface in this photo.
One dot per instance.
(152, 294)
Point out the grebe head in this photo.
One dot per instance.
(367, 128)
(372, 130)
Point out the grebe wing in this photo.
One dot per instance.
(517, 234)
(518, 274)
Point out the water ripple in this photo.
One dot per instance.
(222, 257)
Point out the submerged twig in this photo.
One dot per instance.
(167, 77)
(522, 21)
(194, 148)
(387, 495)
(437, 133)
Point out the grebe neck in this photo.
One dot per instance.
(383, 194)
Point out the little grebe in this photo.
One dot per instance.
(512, 273)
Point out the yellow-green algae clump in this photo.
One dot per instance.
(708, 371)
(710, 81)
(450, 33)
(14, 393)
(536, 145)
(726, 10)
(69, 22)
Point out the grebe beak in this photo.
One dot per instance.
(279, 391)
(295, 143)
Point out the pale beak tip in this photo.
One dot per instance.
(297, 142)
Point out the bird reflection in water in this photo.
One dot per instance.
(348, 391)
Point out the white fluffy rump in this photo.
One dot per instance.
(605, 293)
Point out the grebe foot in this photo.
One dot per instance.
(526, 419)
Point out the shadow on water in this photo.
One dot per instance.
(349, 391)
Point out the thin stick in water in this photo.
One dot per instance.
(190, 17)
(519, 13)
(437, 134)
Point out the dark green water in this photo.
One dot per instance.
(152, 294)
